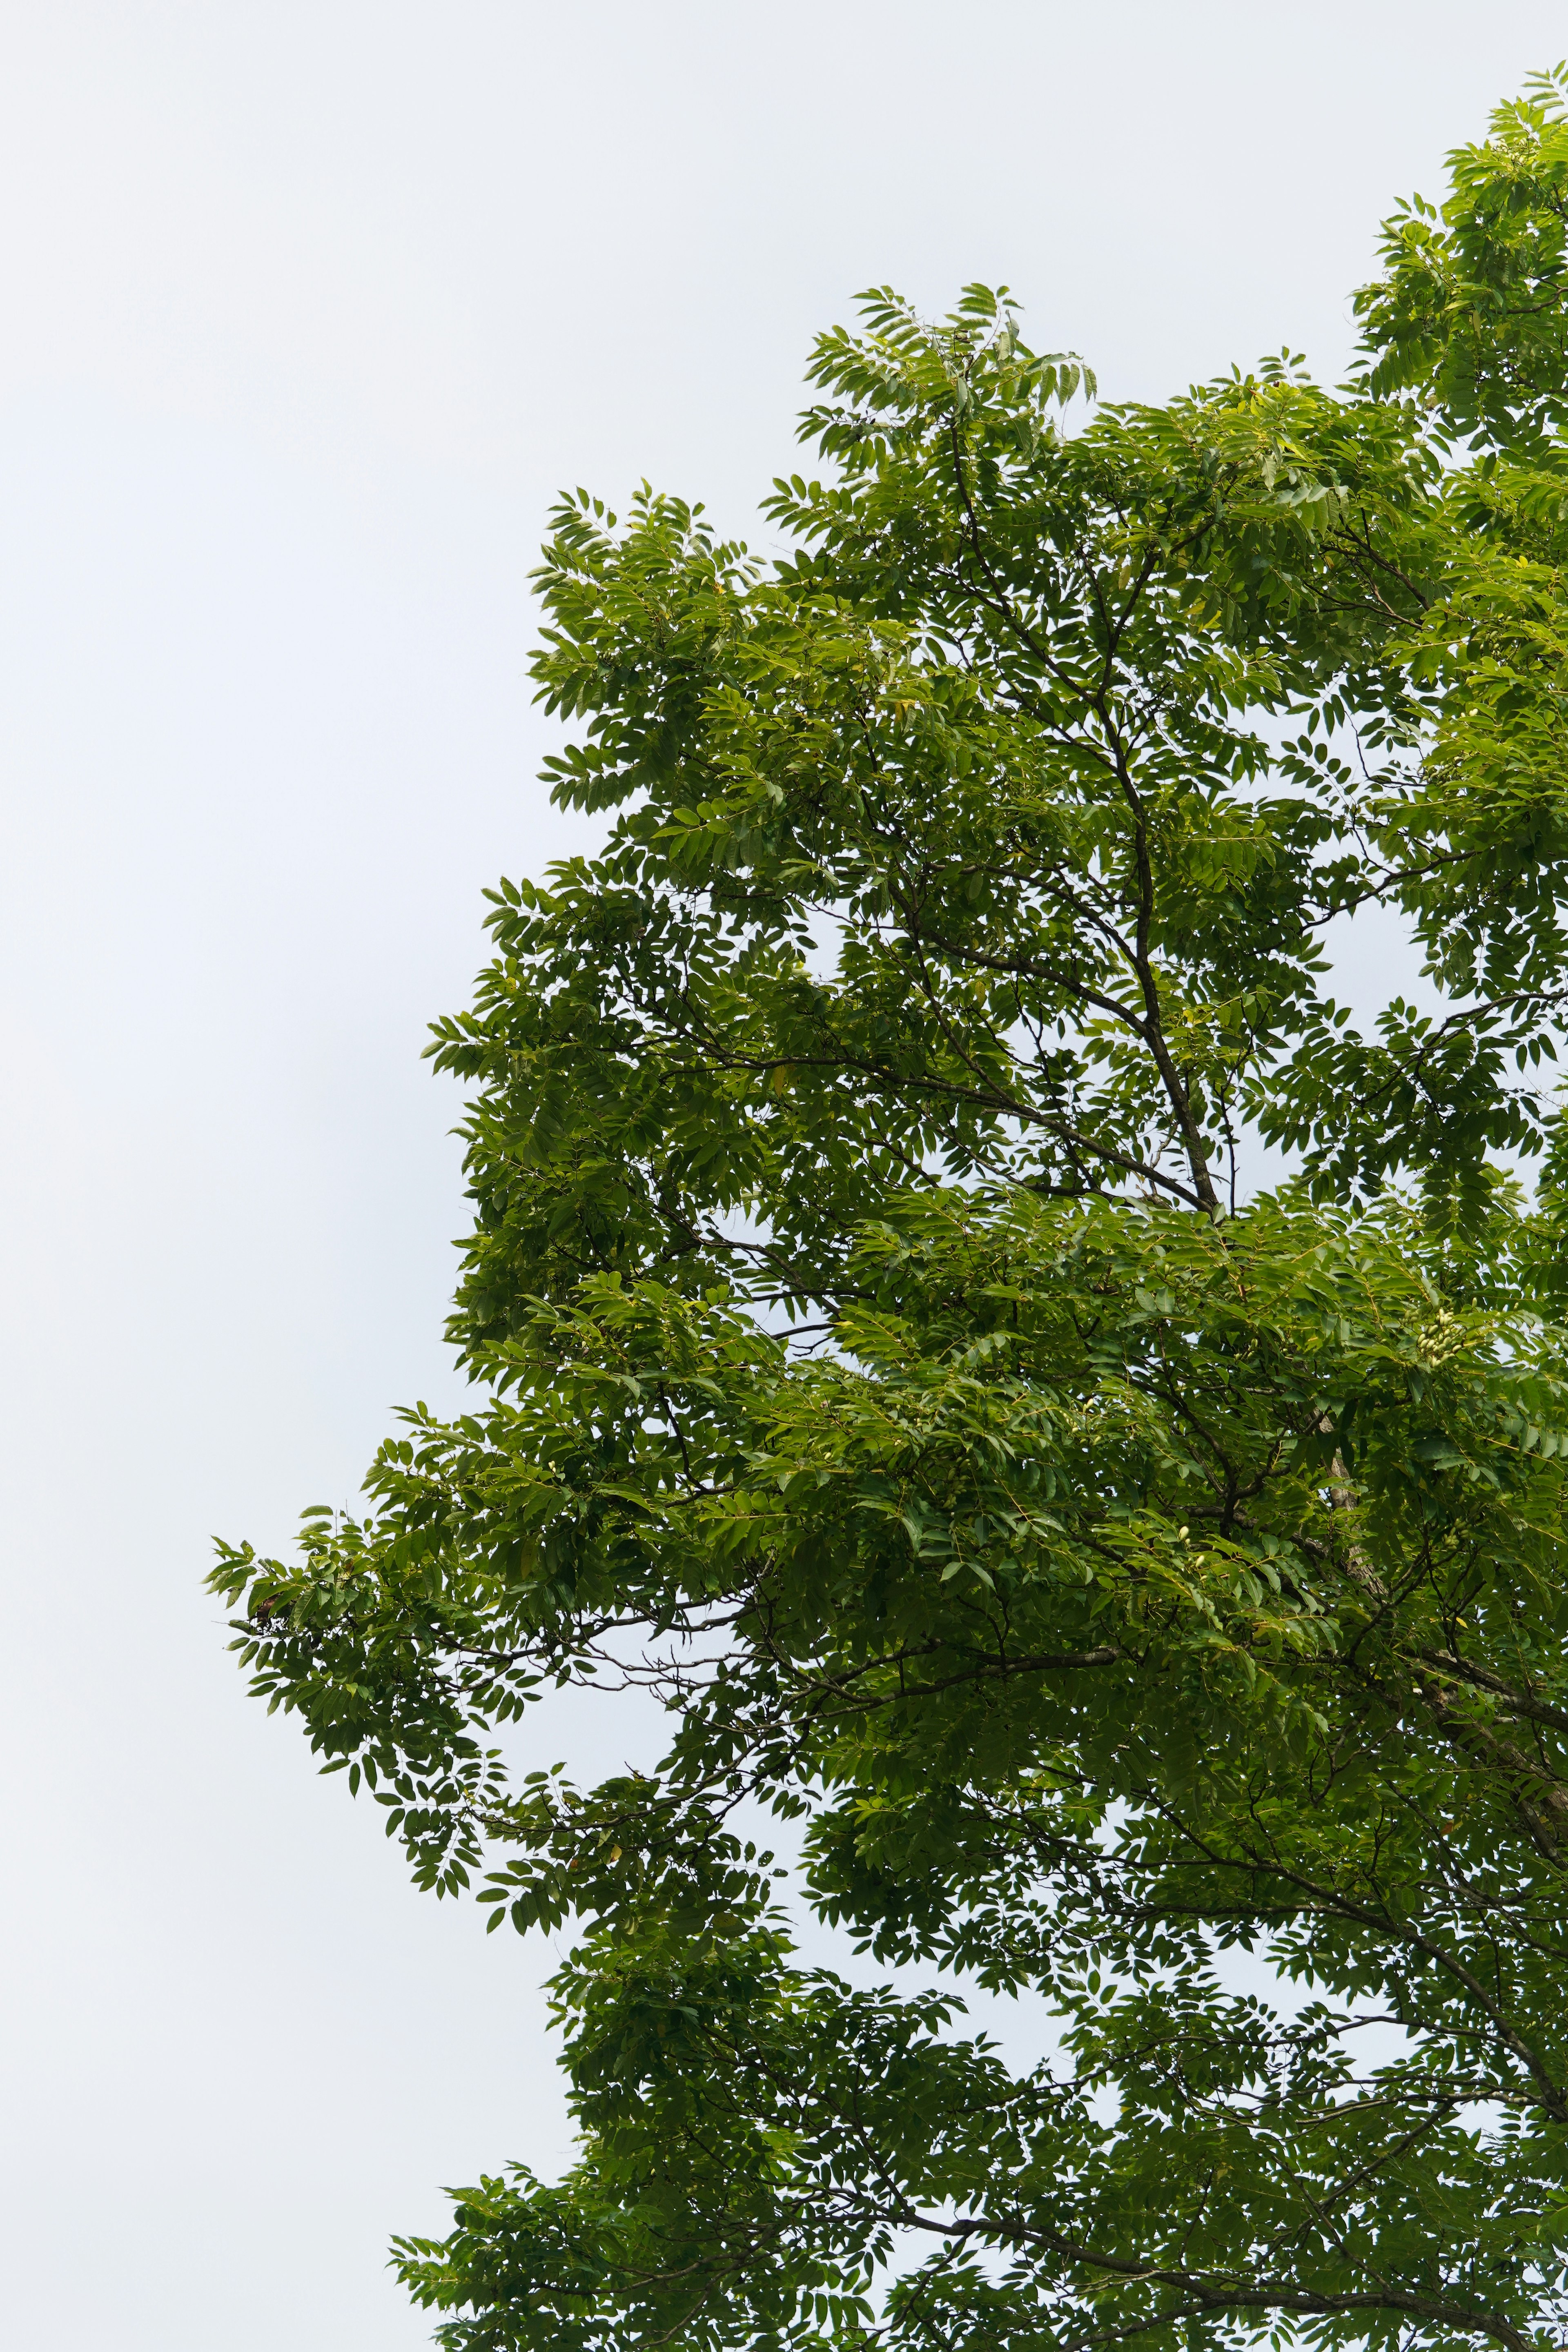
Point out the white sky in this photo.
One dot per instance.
(305, 312)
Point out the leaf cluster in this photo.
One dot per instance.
(1084, 1562)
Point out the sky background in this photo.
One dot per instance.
(306, 312)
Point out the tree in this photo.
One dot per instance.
(1097, 1561)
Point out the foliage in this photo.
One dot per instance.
(1097, 1563)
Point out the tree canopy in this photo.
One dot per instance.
(1069, 1417)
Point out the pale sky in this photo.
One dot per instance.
(305, 313)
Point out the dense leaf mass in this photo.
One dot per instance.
(1101, 1562)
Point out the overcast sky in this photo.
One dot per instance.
(306, 311)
